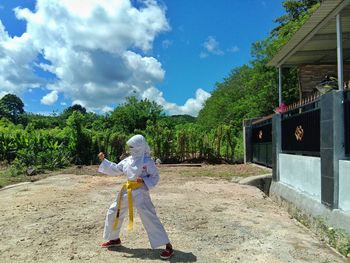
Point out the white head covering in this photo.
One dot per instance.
(139, 149)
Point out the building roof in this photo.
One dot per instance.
(315, 42)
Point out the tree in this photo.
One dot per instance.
(68, 111)
(11, 107)
(134, 114)
(295, 9)
(75, 107)
(38, 121)
(81, 141)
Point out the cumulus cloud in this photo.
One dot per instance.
(211, 46)
(87, 46)
(16, 55)
(95, 49)
(191, 107)
(50, 98)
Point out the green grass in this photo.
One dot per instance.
(6, 178)
(337, 238)
(223, 171)
(9, 175)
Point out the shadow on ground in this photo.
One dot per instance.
(153, 254)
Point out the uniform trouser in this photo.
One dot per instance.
(145, 208)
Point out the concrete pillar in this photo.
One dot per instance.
(276, 145)
(331, 146)
(280, 85)
(340, 53)
(248, 144)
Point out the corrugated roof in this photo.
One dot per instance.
(315, 42)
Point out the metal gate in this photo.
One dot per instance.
(262, 141)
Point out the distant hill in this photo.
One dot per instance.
(182, 119)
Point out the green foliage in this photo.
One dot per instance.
(111, 143)
(133, 115)
(45, 149)
(11, 107)
(236, 98)
(70, 110)
(296, 13)
(181, 119)
(337, 238)
(38, 122)
(80, 144)
(173, 142)
(161, 137)
(239, 147)
(251, 91)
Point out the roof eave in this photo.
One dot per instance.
(328, 10)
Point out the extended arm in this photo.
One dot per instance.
(108, 167)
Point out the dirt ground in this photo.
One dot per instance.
(60, 219)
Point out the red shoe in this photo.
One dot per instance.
(112, 243)
(167, 253)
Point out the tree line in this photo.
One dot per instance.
(76, 136)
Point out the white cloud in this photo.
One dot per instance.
(107, 109)
(50, 98)
(16, 54)
(95, 49)
(192, 106)
(86, 45)
(211, 45)
(233, 49)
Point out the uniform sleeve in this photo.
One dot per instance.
(151, 178)
(110, 168)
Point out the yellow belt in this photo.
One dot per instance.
(129, 186)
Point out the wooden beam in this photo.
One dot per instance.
(320, 52)
(320, 37)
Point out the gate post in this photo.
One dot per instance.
(247, 140)
(331, 146)
(276, 145)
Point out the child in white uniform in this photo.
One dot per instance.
(142, 175)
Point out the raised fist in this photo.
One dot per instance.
(101, 156)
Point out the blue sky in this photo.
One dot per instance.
(97, 52)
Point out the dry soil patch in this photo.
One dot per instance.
(60, 219)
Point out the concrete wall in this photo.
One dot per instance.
(344, 185)
(302, 173)
(284, 194)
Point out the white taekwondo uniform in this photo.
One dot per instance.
(138, 164)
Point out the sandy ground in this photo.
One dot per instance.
(60, 219)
